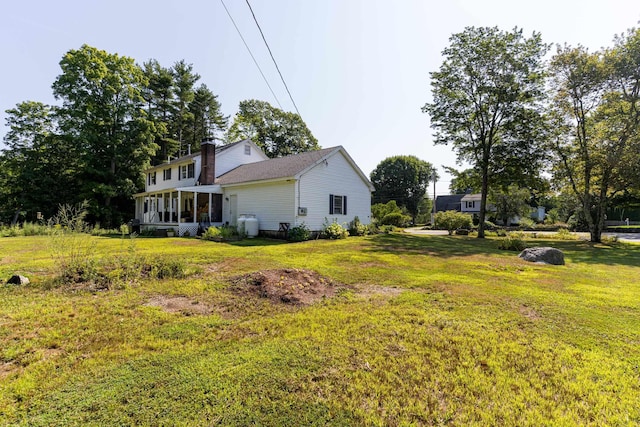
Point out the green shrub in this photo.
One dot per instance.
(564, 234)
(452, 220)
(488, 225)
(224, 233)
(501, 232)
(526, 223)
(396, 219)
(552, 217)
(357, 228)
(299, 233)
(334, 231)
(212, 233)
(512, 243)
(166, 268)
(35, 229)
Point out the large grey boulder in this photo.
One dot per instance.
(18, 279)
(543, 255)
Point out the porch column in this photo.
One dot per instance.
(179, 204)
(209, 213)
(170, 206)
(195, 207)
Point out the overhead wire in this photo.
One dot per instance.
(274, 60)
(252, 57)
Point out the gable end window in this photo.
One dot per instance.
(166, 174)
(337, 205)
(247, 150)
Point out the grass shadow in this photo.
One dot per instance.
(577, 251)
(440, 246)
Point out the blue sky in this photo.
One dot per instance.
(358, 70)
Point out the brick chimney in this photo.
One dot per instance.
(208, 161)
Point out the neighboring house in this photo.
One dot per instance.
(470, 204)
(221, 183)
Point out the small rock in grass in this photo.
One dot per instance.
(544, 255)
(18, 279)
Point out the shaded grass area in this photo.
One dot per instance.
(472, 336)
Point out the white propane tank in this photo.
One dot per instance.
(252, 226)
(242, 219)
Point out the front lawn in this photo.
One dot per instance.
(421, 330)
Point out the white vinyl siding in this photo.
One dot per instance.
(235, 156)
(272, 203)
(336, 177)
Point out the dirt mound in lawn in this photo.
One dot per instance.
(289, 286)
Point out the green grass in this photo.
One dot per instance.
(435, 330)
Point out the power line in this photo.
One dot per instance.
(252, 57)
(274, 60)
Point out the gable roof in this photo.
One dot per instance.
(471, 197)
(219, 149)
(283, 167)
(449, 203)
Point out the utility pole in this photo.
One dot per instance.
(433, 215)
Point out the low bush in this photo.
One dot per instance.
(334, 231)
(396, 219)
(526, 223)
(219, 234)
(212, 233)
(357, 228)
(512, 242)
(299, 233)
(452, 220)
(564, 234)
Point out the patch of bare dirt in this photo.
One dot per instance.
(288, 286)
(529, 312)
(179, 304)
(7, 368)
(370, 291)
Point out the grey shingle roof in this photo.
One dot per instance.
(449, 203)
(281, 167)
(219, 149)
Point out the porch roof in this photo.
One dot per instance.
(213, 189)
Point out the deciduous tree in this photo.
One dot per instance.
(597, 111)
(278, 133)
(404, 179)
(510, 202)
(487, 99)
(102, 114)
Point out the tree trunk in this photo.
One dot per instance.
(483, 202)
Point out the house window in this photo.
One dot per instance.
(166, 174)
(186, 171)
(151, 180)
(247, 150)
(471, 205)
(337, 205)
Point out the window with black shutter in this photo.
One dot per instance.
(337, 205)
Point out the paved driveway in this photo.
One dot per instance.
(623, 237)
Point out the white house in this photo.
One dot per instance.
(470, 204)
(221, 183)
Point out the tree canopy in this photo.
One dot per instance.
(115, 119)
(404, 179)
(278, 133)
(102, 116)
(487, 103)
(596, 113)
